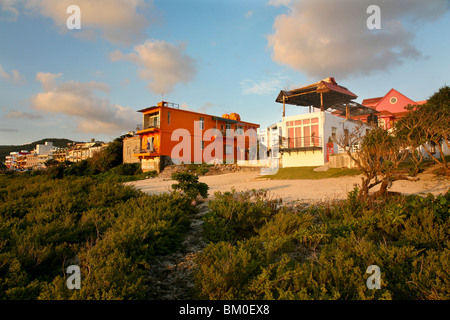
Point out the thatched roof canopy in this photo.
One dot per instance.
(322, 94)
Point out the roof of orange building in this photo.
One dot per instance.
(201, 114)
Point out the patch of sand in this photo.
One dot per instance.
(298, 190)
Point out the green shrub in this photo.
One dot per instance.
(113, 232)
(188, 184)
(237, 215)
(200, 169)
(224, 270)
(127, 169)
(324, 252)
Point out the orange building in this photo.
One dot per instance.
(172, 135)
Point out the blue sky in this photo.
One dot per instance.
(206, 55)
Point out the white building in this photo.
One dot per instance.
(307, 139)
(269, 139)
(44, 149)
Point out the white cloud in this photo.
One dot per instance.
(47, 80)
(117, 21)
(278, 3)
(78, 100)
(5, 76)
(266, 86)
(15, 77)
(330, 38)
(9, 12)
(161, 63)
(15, 114)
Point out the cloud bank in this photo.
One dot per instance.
(79, 100)
(161, 63)
(330, 38)
(117, 21)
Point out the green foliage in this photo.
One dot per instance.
(127, 169)
(426, 125)
(200, 169)
(108, 158)
(323, 252)
(188, 184)
(258, 249)
(111, 231)
(225, 270)
(51, 162)
(236, 216)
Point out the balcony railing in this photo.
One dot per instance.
(152, 125)
(149, 150)
(302, 142)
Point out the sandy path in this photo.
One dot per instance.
(298, 190)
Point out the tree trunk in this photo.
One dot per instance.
(383, 188)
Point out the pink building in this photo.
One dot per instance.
(390, 107)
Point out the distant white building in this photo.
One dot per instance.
(269, 139)
(82, 151)
(44, 149)
(41, 153)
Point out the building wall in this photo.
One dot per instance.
(44, 148)
(131, 146)
(342, 160)
(302, 159)
(151, 164)
(329, 125)
(60, 155)
(437, 153)
(394, 102)
(32, 161)
(180, 135)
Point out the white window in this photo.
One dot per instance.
(333, 132)
(228, 149)
(202, 123)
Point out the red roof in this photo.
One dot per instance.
(386, 113)
(340, 89)
(372, 102)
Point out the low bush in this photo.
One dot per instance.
(324, 252)
(111, 231)
(189, 185)
(127, 169)
(238, 215)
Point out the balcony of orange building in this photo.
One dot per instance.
(150, 124)
(151, 152)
